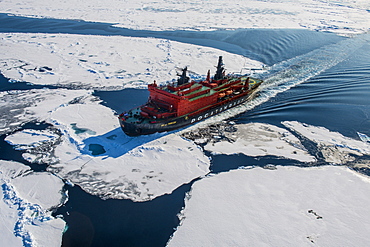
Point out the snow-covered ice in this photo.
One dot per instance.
(259, 139)
(18, 107)
(260, 206)
(363, 137)
(25, 204)
(335, 147)
(43, 189)
(115, 62)
(143, 173)
(341, 16)
(94, 153)
(290, 206)
(37, 144)
(136, 168)
(8, 221)
(30, 138)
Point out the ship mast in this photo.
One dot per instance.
(183, 78)
(220, 72)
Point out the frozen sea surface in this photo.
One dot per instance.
(314, 81)
(253, 139)
(124, 169)
(288, 206)
(335, 148)
(101, 62)
(22, 106)
(26, 203)
(344, 16)
(95, 154)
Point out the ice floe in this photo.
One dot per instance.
(143, 173)
(99, 157)
(89, 149)
(25, 204)
(18, 107)
(289, 206)
(252, 139)
(87, 61)
(95, 154)
(37, 144)
(335, 147)
(30, 138)
(363, 137)
(344, 16)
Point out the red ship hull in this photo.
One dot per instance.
(172, 107)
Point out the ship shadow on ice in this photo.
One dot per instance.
(115, 143)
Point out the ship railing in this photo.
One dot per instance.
(148, 113)
(219, 88)
(191, 96)
(190, 90)
(179, 88)
(162, 105)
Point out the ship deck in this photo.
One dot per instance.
(134, 114)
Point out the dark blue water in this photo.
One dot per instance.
(5, 85)
(123, 100)
(95, 222)
(336, 98)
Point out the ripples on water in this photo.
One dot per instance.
(337, 98)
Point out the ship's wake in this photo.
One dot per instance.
(290, 73)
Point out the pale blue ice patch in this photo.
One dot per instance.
(81, 130)
(363, 137)
(96, 149)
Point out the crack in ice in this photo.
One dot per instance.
(28, 214)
